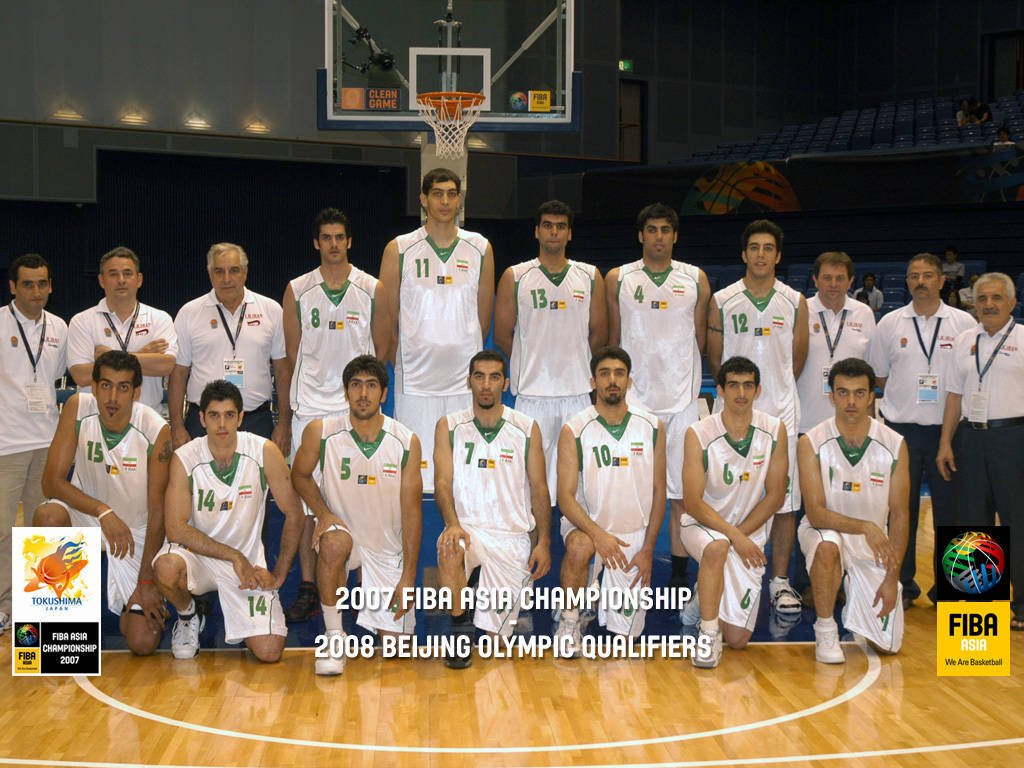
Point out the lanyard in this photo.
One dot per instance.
(128, 333)
(839, 334)
(238, 328)
(977, 343)
(928, 353)
(42, 337)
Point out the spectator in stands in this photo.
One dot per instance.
(1003, 138)
(966, 294)
(963, 115)
(980, 113)
(951, 295)
(868, 293)
(954, 271)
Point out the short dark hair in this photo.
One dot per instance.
(657, 211)
(852, 367)
(117, 360)
(762, 226)
(28, 261)
(615, 353)
(438, 175)
(120, 252)
(365, 364)
(556, 208)
(738, 365)
(492, 355)
(331, 216)
(953, 248)
(928, 258)
(833, 257)
(220, 390)
(867, 275)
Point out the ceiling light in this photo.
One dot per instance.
(67, 113)
(197, 122)
(134, 117)
(257, 126)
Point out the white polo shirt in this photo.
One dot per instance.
(20, 430)
(851, 340)
(1002, 380)
(897, 355)
(90, 328)
(203, 344)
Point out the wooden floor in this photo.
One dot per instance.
(769, 705)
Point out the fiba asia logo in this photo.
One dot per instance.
(973, 562)
(53, 568)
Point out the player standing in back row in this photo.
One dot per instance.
(764, 320)
(439, 289)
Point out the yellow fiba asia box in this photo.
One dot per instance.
(973, 639)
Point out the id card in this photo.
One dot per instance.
(977, 407)
(825, 388)
(37, 396)
(234, 372)
(927, 388)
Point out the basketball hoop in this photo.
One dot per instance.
(450, 114)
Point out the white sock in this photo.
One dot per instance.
(780, 580)
(709, 626)
(826, 624)
(332, 617)
(190, 609)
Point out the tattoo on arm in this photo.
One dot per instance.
(716, 330)
(165, 452)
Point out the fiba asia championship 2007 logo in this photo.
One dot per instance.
(53, 568)
(973, 562)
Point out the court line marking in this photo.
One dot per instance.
(866, 681)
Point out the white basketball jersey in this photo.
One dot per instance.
(616, 468)
(657, 330)
(362, 482)
(736, 471)
(228, 506)
(438, 325)
(551, 345)
(489, 479)
(113, 468)
(857, 481)
(335, 329)
(762, 330)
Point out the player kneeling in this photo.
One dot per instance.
(214, 514)
(368, 509)
(491, 490)
(618, 452)
(735, 464)
(855, 484)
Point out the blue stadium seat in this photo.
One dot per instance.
(889, 306)
(896, 295)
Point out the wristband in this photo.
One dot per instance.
(145, 581)
(104, 513)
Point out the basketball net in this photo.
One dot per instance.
(450, 114)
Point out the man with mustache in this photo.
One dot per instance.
(909, 354)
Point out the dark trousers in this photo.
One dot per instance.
(922, 445)
(259, 421)
(989, 463)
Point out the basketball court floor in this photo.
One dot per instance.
(770, 705)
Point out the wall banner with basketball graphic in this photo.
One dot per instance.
(972, 578)
(56, 597)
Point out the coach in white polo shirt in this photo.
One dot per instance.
(233, 334)
(984, 421)
(122, 322)
(32, 356)
(841, 327)
(909, 354)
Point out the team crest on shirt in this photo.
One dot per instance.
(659, 305)
(335, 325)
(903, 342)
(130, 463)
(745, 477)
(213, 322)
(14, 341)
(636, 449)
(507, 455)
(620, 461)
(112, 469)
(390, 470)
(852, 487)
(816, 328)
(423, 464)
(877, 478)
(762, 331)
(444, 279)
(679, 290)
(759, 460)
(352, 316)
(106, 332)
(777, 321)
(245, 492)
(578, 295)
(485, 463)
(227, 505)
(366, 480)
(462, 265)
(556, 305)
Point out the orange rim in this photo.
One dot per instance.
(450, 105)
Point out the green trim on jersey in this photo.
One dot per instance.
(112, 438)
(488, 433)
(228, 476)
(555, 277)
(760, 302)
(853, 455)
(323, 452)
(335, 296)
(658, 278)
(367, 448)
(617, 430)
(263, 478)
(579, 452)
(443, 253)
(742, 447)
(405, 458)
